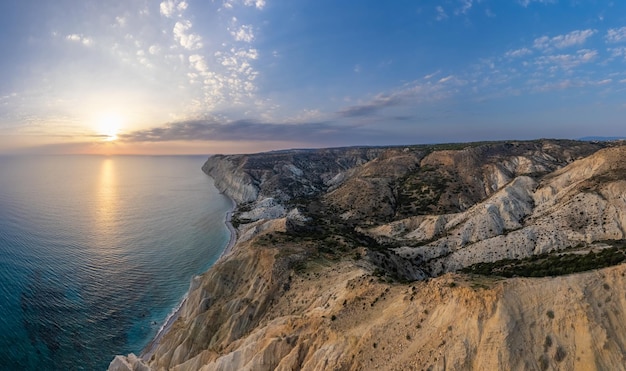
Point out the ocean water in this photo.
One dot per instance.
(96, 251)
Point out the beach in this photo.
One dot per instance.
(151, 347)
(231, 229)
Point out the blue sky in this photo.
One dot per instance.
(186, 76)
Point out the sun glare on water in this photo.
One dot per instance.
(109, 126)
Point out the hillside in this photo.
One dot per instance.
(354, 258)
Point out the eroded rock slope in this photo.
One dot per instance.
(349, 259)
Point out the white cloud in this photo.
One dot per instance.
(526, 3)
(189, 41)
(587, 55)
(121, 21)
(577, 37)
(230, 4)
(87, 41)
(259, 4)
(616, 35)
(431, 75)
(167, 8)
(244, 33)
(567, 61)
(558, 85)
(441, 14)
(171, 8)
(617, 52)
(445, 79)
(154, 49)
(198, 63)
(466, 5)
(518, 53)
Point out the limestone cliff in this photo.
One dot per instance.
(328, 239)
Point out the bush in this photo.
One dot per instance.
(548, 343)
(560, 354)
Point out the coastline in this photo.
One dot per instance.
(147, 352)
(233, 232)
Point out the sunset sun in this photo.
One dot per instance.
(109, 126)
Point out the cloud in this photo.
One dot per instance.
(466, 5)
(167, 8)
(518, 53)
(73, 37)
(617, 52)
(244, 33)
(259, 4)
(198, 63)
(559, 85)
(569, 84)
(87, 41)
(189, 41)
(567, 61)
(431, 75)
(154, 49)
(411, 93)
(577, 37)
(171, 8)
(245, 130)
(526, 3)
(121, 21)
(616, 35)
(441, 14)
(369, 108)
(230, 4)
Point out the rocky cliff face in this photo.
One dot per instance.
(329, 240)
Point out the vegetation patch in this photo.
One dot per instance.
(553, 264)
(420, 191)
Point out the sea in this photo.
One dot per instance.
(97, 251)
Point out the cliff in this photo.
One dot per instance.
(352, 258)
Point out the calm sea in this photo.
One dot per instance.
(95, 252)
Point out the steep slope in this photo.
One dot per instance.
(335, 315)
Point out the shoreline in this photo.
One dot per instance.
(233, 232)
(149, 350)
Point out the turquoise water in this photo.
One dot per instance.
(95, 252)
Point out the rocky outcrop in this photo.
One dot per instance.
(347, 259)
(231, 179)
(579, 204)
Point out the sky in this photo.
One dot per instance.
(241, 76)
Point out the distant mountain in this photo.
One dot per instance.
(601, 139)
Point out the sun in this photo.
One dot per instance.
(109, 126)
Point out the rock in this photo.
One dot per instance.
(130, 363)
